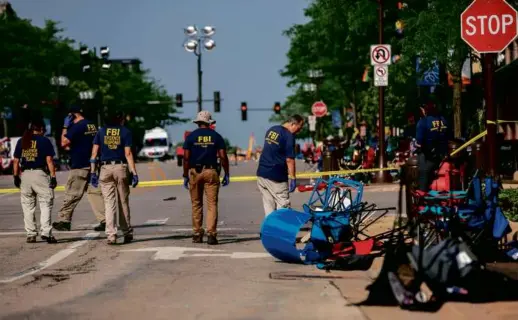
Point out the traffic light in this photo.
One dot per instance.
(277, 108)
(85, 59)
(105, 55)
(244, 109)
(179, 100)
(217, 101)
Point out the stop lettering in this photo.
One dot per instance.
(493, 24)
(489, 25)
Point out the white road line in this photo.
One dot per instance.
(88, 226)
(157, 222)
(62, 254)
(219, 229)
(249, 255)
(17, 233)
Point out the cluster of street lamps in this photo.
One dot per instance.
(196, 39)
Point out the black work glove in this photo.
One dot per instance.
(17, 181)
(53, 183)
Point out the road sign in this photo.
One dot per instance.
(312, 121)
(489, 26)
(380, 76)
(381, 54)
(319, 109)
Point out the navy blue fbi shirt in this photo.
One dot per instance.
(112, 141)
(279, 145)
(34, 157)
(81, 136)
(204, 143)
(432, 135)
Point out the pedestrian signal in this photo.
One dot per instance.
(277, 108)
(244, 109)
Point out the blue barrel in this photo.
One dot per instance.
(279, 234)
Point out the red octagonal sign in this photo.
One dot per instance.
(319, 109)
(489, 25)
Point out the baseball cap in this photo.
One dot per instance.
(75, 109)
(204, 117)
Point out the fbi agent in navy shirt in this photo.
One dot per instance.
(33, 156)
(432, 142)
(200, 171)
(113, 142)
(78, 136)
(277, 164)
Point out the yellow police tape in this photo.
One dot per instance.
(179, 182)
(480, 135)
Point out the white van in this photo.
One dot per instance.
(157, 145)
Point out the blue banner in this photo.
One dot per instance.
(429, 77)
(337, 119)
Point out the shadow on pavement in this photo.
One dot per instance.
(237, 240)
(170, 237)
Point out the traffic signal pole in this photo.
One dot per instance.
(489, 97)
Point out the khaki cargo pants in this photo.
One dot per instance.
(275, 194)
(114, 183)
(207, 181)
(77, 184)
(35, 186)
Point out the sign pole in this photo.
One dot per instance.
(381, 176)
(491, 125)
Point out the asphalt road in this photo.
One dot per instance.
(162, 274)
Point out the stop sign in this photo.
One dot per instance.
(319, 109)
(489, 25)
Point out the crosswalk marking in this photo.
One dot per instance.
(156, 222)
(175, 253)
(62, 254)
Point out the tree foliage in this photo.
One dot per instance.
(30, 56)
(337, 40)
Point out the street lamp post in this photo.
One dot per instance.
(192, 44)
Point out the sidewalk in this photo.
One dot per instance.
(352, 285)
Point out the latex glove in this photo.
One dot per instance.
(186, 182)
(134, 181)
(17, 181)
(226, 180)
(293, 185)
(53, 183)
(94, 180)
(68, 121)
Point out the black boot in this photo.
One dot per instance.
(61, 226)
(101, 227)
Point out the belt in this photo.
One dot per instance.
(33, 169)
(113, 162)
(205, 166)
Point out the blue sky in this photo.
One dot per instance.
(250, 48)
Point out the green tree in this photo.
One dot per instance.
(337, 40)
(31, 56)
